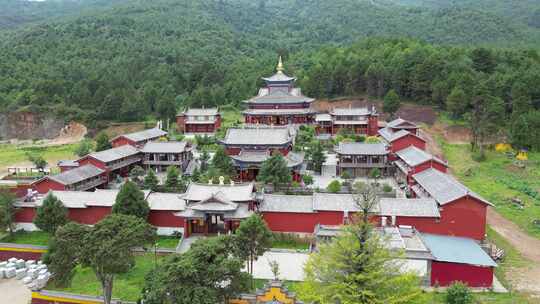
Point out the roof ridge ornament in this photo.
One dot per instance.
(280, 68)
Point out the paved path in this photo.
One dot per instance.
(13, 291)
(291, 265)
(186, 244)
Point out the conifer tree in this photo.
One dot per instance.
(252, 239)
(223, 162)
(51, 214)
(7, 211)
(391, 103)
(151, 181)
(131, 201)
(317, 156)
(274, 171)
(102, 142)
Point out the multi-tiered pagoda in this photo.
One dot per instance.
(279, 103)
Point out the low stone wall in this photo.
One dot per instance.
(21, 251)
(58, 297)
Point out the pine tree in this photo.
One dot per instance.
(317, 156)
(131, 201)
(223, 162)
(172, 178)
(357, 266)
(51, 214)
(456, 102)
(252, 239)
(84, 148)
(391, 103)
(7, 211)
(151, 181)
(102, 142)
(275, 171)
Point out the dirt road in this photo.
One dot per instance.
(527, 278)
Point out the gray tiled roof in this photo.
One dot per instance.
(457, 250)
(333, 202)
(397, 122)
(201, 112)
(106, 198)
(414, 156)
(216, 201)
(361, 148)
(350, 111)
(287, 203)
(76, 175)
(279, 77)
(235, 193)
(257, 136)
(266, 96)
(144, 135)
(390, 136)
(279, 111)
(252, 156)
(68, 163)
(420, 207)
(114, 153)
(164, 147)
(442, 187)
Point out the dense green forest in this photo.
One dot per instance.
(123, 60)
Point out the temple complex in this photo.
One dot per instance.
(279, 103)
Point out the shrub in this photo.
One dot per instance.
(308, 179)
(478, 157)
(334, 186)
(345, 174)
(459, 293)
(386, 188)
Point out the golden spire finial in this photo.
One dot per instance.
(280, 65)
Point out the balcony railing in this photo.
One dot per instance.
(88, 185)
(124, 163)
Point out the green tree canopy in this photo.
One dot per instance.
(107, 248)
(391, 103)
(222, 162)
(151, 181)
(208, 273)
(102, 142)
(252, 239)
(84, 148)
(7, 210)
(51, 215)
(274, 171)
(64, 251)
(357, 266)
(131, 201)
(317, 156)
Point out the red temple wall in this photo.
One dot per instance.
(44, 185)
(301, 222)
(407, 141)
(165, 218)
(122, 141)
(90, 215)
(444, 274)
(25, 215)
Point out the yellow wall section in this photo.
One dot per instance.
(275, 293)
(37, 295)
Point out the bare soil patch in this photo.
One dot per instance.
(123, 128)
(71, 133)
(412, 112)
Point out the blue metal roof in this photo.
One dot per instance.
(457, 250)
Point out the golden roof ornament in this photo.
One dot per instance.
(280, 66)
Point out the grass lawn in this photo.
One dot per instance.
(126, 287)
(23, 237)
(288, 241)
(12, 154)
(168, 242)
(499, 180)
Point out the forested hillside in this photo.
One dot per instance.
(97, 60)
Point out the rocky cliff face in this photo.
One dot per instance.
(27, 125)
